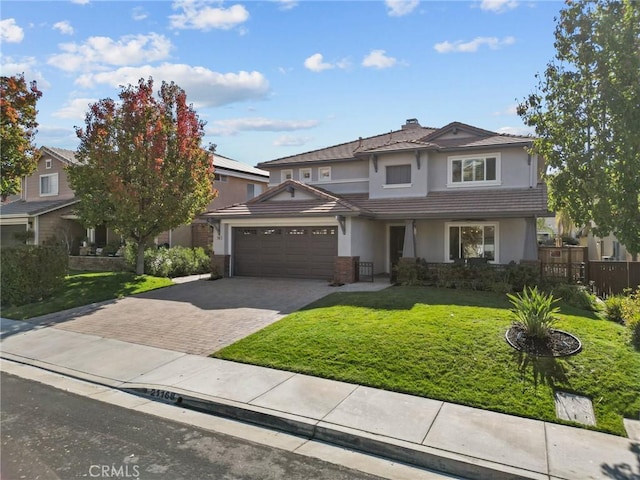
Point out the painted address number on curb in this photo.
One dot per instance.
(162, 394)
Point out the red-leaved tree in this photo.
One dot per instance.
(142, 169)
(17, 130)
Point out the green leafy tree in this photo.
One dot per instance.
(17, 129)
(142, 169)
(586, 114)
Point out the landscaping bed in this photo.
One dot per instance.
(449, 344)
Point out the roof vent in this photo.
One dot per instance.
(411, 123)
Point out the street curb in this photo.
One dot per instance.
(365, 442)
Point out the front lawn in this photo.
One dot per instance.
(86, 288)
(449, 345)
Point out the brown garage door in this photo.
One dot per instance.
(300, 252)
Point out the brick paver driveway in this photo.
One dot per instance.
(196, 317)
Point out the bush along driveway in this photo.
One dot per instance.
(450, 345)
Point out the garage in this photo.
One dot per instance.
(298, 252)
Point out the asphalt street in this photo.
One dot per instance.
(48, 433)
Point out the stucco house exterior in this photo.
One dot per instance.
(442, 194)
(46, 204)
(235, 182)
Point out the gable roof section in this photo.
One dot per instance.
(347, 151)
(411, 137)
(62, 154)
(453, 205)
(21, 208)
(322, 203)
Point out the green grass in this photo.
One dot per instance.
(449, 345)
(86, 288)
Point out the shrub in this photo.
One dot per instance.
(613, 306)
(631, 315)
(578, 296)
(535, 312)
(170, 262)
(410, 274)
(522, 275)
(31, 272)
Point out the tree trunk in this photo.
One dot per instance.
(140, 258)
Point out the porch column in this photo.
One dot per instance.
(530, 251)
(409, 246)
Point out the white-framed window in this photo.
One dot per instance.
(220, 178)
(286, 175)
(474, 170)
(49, 185)
(305, 175)
(398, 175)
(471, 240)
(47, 164)
(324, 174)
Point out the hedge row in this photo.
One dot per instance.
(31, 272)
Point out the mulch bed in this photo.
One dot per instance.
(558, 344)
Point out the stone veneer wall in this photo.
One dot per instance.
(97, 264)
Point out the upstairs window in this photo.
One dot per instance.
(286, 175)
(398, 175)
(49, 185)
(476, 170)
(47, 164)
(324, 174)
(305, 175)
(253, 190)
(220, 178)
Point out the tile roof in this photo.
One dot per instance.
(411, 137)
(459, 204)
(22, 208)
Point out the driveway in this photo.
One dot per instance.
(197, 317)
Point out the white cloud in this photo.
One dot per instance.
(316, 63)
(291, 141)
(10, 67)
(498, 6)
(80, 2)
(287, 4)
(63, 27)
(10, 31)
(399, 8)
(199, 15)
(98, 52)
(76, 108)
(204, 87)
(259, 124)
(378, 59)
(139, 13)
(493, 43)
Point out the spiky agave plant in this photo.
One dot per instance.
(535, 311)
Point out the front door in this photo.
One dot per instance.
(396, 245)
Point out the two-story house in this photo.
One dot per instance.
(443, 194)
(235, 182)
(46, 205)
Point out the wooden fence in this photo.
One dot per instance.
(610, 278)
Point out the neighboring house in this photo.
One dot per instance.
(46, 205)
(604, 248)
(443, 194)
(235, 182)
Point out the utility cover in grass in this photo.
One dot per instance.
(574, 408)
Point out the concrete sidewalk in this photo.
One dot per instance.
(445, 437)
